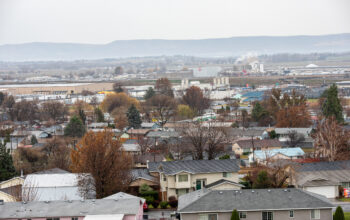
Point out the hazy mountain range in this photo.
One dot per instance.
(217, 47)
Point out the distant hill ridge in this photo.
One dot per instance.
(216, 47)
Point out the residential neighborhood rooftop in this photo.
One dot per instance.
(69, 208)
(251, 199)
(195, 166)
(259, 143)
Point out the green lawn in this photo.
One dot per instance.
(345, 199)
(347, 215)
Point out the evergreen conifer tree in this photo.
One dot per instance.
(339, 214)
(75, 128)
(331, 106)
(235, 215)
(134, 117)
(7, 169)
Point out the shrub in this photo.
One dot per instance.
(224, 157)
(172, 198)
(152, 193)
(235, 215)
(173, 201)
(163, 204)
(149, 199)
(150, 206)
(145, 188)
(339, 214)
(155, 203)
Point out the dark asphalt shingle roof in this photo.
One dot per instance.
(259, 143)
(335, 171)
(246, 200)
(195, 166)
(324, 166)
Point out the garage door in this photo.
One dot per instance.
(327, 191)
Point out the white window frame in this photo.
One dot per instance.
(316, 211)
(242, 215)
(262, 215)
(182, 181)
(207, 216)
(226, 174)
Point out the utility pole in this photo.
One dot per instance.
(253, 148)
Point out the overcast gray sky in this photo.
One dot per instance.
(103, 21)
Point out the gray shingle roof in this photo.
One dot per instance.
(248, 200)
(239, 132)
(221, 182)
(259, 143)
(74, 208)
(320, 182)
(336, 171)
(195, 166)
(162, 134)
(323, 166)
(142, 174)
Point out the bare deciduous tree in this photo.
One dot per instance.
(162, 107)
(331, 140)
(216, 137)
(294, 138)
(202, 138)
(195, 137)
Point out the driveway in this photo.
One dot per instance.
(159, 214)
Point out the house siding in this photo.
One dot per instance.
(225, 186)
(326, 214)
(170, 185)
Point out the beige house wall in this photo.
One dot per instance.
(170, 185)
(238, 150)
(225, 186)
(326, 214)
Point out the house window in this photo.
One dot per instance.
(180, 192)
(75, 218)
(227, 174)
(242, 215)
(291, 214)
(183, 178)
(208, 217)
(164, 177)
(315, 214)
(345, 184)
(267, 216)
